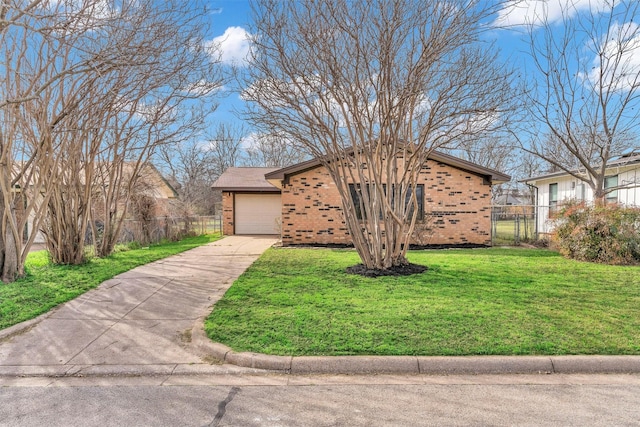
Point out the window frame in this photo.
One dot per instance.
(553, 202)
(611, 197)
(581, 191)
(355, 199)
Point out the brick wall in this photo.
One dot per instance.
(457, 203)
(228, 227)
(312, 210)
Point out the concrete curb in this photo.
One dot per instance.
(238, 362)
(596, 364)
(22, 327)
(426, 365)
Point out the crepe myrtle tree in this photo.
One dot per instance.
(85, 86)
(36, 38)
(371, 88)
(163, 96)
(582, 97)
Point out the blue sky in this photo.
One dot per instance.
(230, 21)
(229, 18)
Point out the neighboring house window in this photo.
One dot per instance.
(553, 197)
(354, 189)
(610, 182)
(580, 190)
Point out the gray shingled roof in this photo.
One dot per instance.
(245, 179)
(629, 159)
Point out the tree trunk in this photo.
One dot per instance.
(8, 247)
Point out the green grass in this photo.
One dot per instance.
(469, 302)
(505, 230)
(46, 285)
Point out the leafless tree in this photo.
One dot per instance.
(271, 150)
(371, 88)
(191, 167)
(195, 166)
(34, 56)
(497, 151)
(89, 87)
(162, 100)
(68, 188)
(225, 147)
(585, 91)
(493, 152)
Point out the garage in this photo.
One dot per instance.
(257, 213)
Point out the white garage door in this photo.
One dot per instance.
(257, 213)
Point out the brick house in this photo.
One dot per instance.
(302, 205)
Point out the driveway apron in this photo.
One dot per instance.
(142, 317)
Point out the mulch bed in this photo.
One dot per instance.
(398, 270)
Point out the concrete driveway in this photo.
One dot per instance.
(140, 321)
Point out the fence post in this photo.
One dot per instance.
(493, 225)
(166, 227)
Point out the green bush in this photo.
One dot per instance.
(608, 234)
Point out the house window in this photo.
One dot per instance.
(553, 197)
(610, 182)
(580, 191)
(419, 199)
(355, 191)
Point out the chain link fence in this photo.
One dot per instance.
(517, 224)
(170, 228)
(510, 225)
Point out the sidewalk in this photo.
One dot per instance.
(139, 322)
(149, 321)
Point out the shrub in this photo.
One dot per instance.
(608, 234)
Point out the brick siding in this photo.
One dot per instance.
(457, 205)
(312, 210)
(228, 227)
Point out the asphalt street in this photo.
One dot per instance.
(285, 400)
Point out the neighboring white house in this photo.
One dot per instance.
(553, 188)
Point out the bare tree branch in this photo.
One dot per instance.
(371, 88)
(585, 90)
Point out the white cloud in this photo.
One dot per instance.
(81, 16)
(519, 13)
(203, 88)
(249, 141)
(618, 64)
(232, 47)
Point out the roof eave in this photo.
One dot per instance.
(618, 164)
(496, 180)
(246, 189)
(291, 170)
(494, 176)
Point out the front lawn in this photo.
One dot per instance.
(469, 302)
(47, 285)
